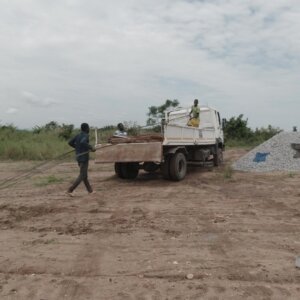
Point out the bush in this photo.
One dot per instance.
(238, 134)
(132, 128)
(65, 131)
(38, 144)
(105, 133)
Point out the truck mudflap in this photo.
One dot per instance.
(129, 152)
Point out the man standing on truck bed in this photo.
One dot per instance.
(194, 115)
(82, 147)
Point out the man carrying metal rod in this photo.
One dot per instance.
(82, 147)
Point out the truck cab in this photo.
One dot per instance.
(176, 131)
(184, 144)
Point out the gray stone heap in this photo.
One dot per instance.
(280, 157)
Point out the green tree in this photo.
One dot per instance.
(51, 126)
(63, 131)
(156, 113)
(237, 128)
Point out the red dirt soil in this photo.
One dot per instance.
(214, 235)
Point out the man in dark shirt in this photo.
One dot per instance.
(82, 147)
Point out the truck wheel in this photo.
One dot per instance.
(165, 167)
(178, 166)
(130, 170)
(118, 170)
(218, 157)
(150, 166)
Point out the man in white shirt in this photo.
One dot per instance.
(120, 132)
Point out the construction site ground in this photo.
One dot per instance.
(214, 235)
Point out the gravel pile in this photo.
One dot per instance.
(280, 157)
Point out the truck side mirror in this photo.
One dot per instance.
(224, 122)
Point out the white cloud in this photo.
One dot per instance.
(36, 101)
(11, 110)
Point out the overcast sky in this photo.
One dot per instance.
(103, 62)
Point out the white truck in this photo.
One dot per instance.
(170, 152)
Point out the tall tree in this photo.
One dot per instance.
(156, 113)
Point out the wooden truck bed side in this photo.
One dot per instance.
(129, 152)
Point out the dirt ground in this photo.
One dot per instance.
(214, 235)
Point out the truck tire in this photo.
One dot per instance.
(118, 170)
(218, 157)
(130, 170)
(178, 166)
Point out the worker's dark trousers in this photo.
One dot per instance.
(83, 176)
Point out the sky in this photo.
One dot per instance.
(105, 62)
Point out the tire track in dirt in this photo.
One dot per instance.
(87, 266)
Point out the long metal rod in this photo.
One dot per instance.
(27, 174)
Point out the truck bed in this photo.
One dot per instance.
(185, 135)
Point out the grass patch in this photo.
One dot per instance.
(291, 175)
(49, 180)
(228, 172)
(24, 145)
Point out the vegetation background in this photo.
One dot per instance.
(50, 141)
